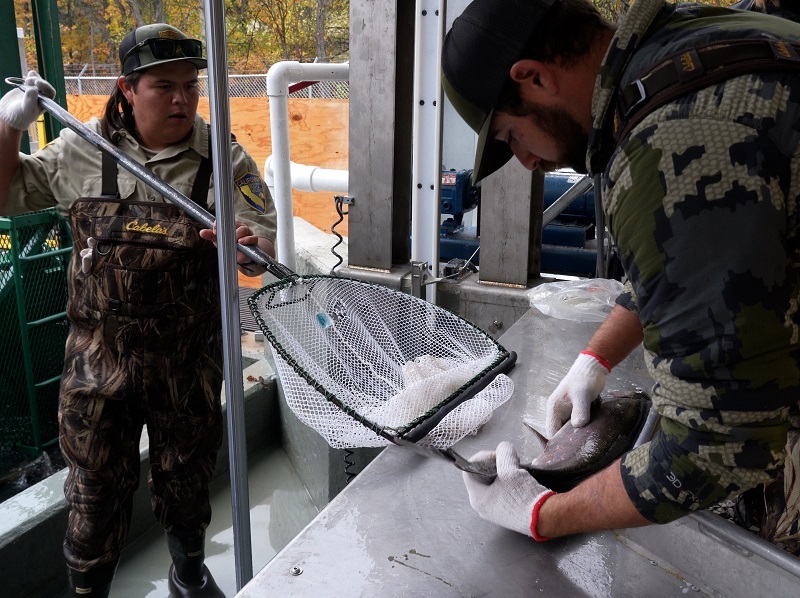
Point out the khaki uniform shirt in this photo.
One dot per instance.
(70, 168)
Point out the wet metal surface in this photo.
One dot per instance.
(404, 525)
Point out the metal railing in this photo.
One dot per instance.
(239, 86)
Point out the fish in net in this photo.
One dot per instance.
(365, 365)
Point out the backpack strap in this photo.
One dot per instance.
(202, 181)
(691, 70)
(109, 177)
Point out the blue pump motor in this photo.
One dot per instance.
(458, 197)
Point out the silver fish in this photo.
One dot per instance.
(573, 454)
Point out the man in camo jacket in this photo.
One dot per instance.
(700, 197)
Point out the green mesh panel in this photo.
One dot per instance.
(34, 253)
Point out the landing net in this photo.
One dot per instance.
(361, 363)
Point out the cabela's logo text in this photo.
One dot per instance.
(153, 229)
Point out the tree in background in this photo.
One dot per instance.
(258, 33)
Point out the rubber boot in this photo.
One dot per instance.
(188, 575)
(94, 583)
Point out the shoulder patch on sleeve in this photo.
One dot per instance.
(252, 189)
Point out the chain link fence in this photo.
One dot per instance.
(103, 80)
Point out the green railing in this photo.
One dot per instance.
(35, 250)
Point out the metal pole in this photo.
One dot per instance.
(570, 195)
(426, 151)
(229, 287)
(599, 226)
(12, 54)
(47, 35)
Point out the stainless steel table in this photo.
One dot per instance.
(404, 527)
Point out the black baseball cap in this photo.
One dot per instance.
(158, 43)
(478, 52)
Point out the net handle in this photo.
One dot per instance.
(255, 253)
(420, 431)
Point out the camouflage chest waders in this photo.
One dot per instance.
(144, 348)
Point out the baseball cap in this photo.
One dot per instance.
(158, 43)
(478, 52)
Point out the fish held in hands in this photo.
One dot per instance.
(573, 454)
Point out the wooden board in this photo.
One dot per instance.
(318, 135)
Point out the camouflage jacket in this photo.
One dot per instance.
(701, 200)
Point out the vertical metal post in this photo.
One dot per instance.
(599, 226)
(426, 153)
(229, 287)
(10, 58)
(381, 74)
(51, 63)
(511, 232)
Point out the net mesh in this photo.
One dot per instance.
(358, 361)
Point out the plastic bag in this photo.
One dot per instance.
(585, 300)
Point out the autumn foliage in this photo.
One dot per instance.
(259, 33)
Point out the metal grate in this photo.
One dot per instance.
(248, 322)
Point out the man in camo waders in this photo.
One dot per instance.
(145, 340)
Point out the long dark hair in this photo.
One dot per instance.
(118, 114)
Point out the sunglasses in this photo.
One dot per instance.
(165, 48)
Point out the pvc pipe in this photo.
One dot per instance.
(279, 77)
(309, 178)
(426, 152)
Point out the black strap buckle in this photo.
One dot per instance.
(638, 87)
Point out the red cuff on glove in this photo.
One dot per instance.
(600, 360)
(535, 519)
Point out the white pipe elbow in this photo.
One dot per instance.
(280, 74)
(309, 178)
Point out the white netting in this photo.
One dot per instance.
(386, 356)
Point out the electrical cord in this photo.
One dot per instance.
(349, 464)
(339, 201)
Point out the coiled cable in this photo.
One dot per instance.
(339, 201)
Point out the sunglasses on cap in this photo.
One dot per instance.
(164, 48)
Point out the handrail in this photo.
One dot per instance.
(279, 77)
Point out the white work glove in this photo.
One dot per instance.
(572, 398)
(20, 109)
(513, 499)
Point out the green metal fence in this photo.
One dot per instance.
(34, 253)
